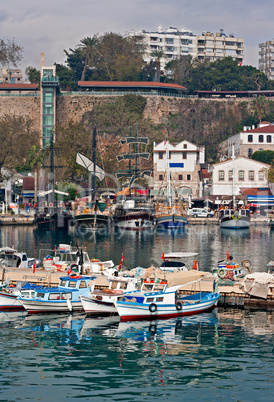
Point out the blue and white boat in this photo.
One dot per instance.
(164, 301)
(9, 296)
(64, 298)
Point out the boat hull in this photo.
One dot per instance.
(171, 221)
(56, 306)
(92, 220)
(233, 223)
(9, 302)
(98, 308)
(130, 311)
(134, 221)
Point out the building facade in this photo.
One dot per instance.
(175, 43)
(251, 140)
(230, 176)
(11, 76)
(266, 58)
(183, 161)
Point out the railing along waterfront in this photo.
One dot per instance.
(122, 93)
(33, 94)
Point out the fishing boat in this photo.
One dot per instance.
(231, 270)
(9, 296)
(101, 302)
(232, 218)
(164, 301)
(172, 261)
(10, 257)
(64, 298)
(131, 215)
(95, 217)
(134, 212)
(169, 209)
(70, 258)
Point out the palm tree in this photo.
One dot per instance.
(260, 106)
(35, 158)
(89, 50)
(157, 55)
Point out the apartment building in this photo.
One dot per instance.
(266, 59)
(11, 76)
(175, 43)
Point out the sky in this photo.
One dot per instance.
(54, 25)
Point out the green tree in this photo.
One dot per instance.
(66, 80)
(33, 75)
(260, 107)
(270, 173)
(18, 135)
(263, 156)
(10, 52)
(34, 159)
(89, 49)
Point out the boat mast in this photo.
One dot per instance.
(93, 181)
(168, 176)
(233, 177)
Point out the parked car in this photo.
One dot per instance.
(200, 213)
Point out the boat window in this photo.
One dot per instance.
(66, 296)
(72, 284)
(62, 283)
(159, 299)
(172, 264)
(150, 299)
(159, 287)
(113, 285)
(41, 295)
(123, 285)
(83, 284)
(54, 296)
(148, 286)
(24, 257)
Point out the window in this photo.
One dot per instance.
(82, 284)
(170, 41)
(185, 146)
(251, 175)
(250, 138)
(261, 175)
(261, 138)
(249, 152)
(72, 284)
(62, 283)
(161, 154)
(241, 175)
(221, 175)
(184, 155)
(180, 177)
(268, 138)
(149, 300)
(160, 177)
(230, 175)
(159, 299)
(188, 177)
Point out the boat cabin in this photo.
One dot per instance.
(10, 257)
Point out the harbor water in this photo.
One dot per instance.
(226, 355)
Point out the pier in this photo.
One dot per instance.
(230, 295)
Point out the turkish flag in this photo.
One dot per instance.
(121, 262)
(163, 256)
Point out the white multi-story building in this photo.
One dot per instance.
(183, 161)
(266, 60)
(218, 46)
(247, 173)
(175, 43)
(251, 140)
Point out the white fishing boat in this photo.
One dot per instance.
(10, 257)
(164, 301)
(102, 301)
(232, 218)
(9, 296)
(69, 258)
(64, 298)
(172, 261)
